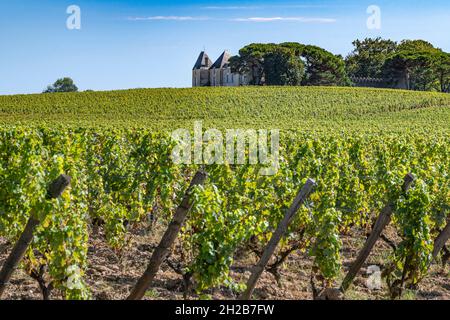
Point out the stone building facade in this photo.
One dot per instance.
(218, 74)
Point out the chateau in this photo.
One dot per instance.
(217, 74)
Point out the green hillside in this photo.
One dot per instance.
(356, 144)
(297, 108)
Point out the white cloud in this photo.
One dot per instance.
(298, 6)
(295, 19)
(231, 7)
(168, 18)
(247, 19)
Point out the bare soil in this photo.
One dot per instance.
(111, 275)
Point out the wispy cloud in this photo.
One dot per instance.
(168, 18)
(246, 19)
(232, 7)
(281, 6)
(293, 19)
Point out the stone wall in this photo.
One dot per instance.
(368, 82)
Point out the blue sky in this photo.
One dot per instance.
(143, 44)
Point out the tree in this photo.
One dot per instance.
(62, 85)
(296, 48)
(369, 56)
(251, 60)
(283, 68)
(408, 67)
(284, 64)
(415, 63)
(441, 65)
(324, 68)
(417, 45)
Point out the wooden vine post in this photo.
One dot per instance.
(54, 191)
(440, 241)
(167, 241)
(276, 237)
(383, 220)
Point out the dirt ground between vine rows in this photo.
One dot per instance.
(111, 275)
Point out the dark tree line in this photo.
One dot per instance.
(416, 64)
(290, 64)
(62, 85)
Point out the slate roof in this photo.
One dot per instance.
(203, 61)
(222, 61)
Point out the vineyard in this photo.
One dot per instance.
(356, 145)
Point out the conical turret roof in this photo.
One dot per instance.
(203, 61)
(222, 61)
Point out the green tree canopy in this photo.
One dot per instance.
(415, 45)
(415, 62)
(324, 68)
(368, 57)
(282, 67)
(251, 60)
(284, 64)
(62, 85)
(412, 64)
(441, 65)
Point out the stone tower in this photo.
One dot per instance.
(217, 74)
(200, 72)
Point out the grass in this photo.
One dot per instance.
(152, 294)
(409, 295)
